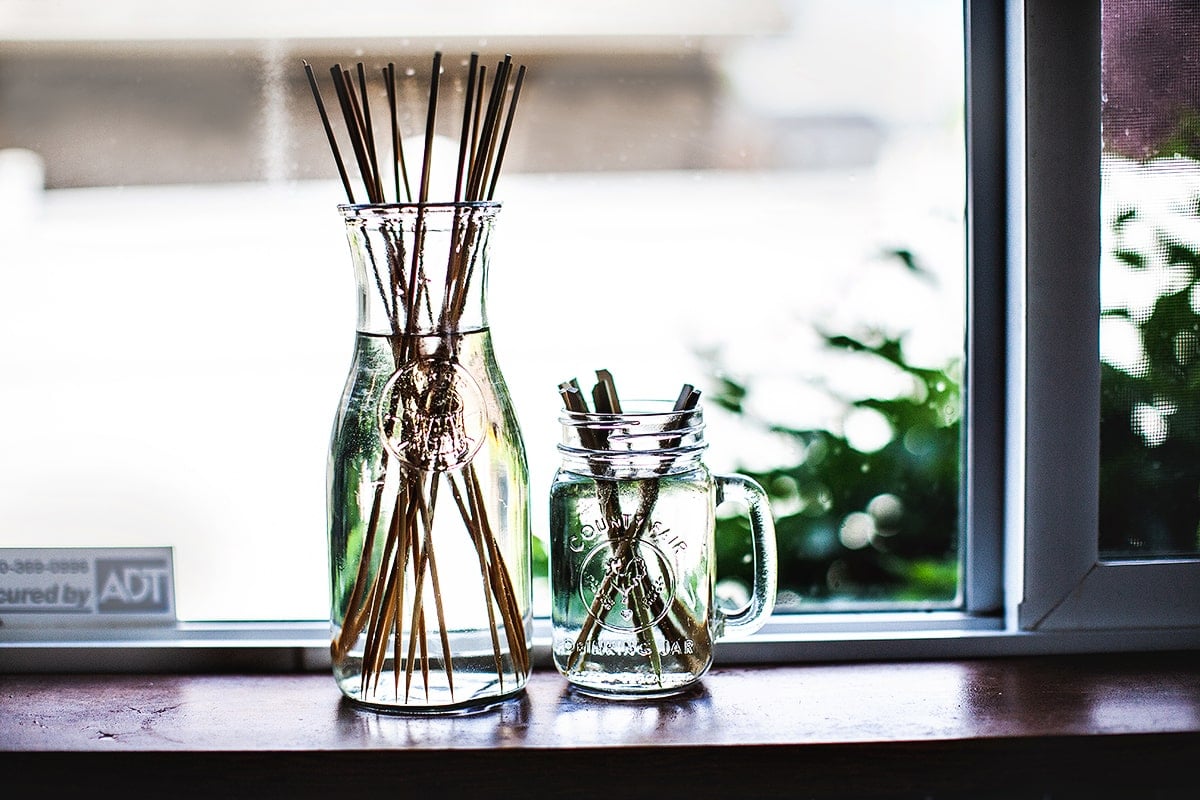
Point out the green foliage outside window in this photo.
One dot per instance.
(858, 527)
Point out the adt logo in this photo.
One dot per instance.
(136, 585)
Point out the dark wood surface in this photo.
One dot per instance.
(1063, 727)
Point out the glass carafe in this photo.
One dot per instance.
(428, 506)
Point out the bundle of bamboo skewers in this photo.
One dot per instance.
(397, 594)
(483, 134)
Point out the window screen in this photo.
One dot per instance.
(1150, 279)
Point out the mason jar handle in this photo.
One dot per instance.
(740, 489)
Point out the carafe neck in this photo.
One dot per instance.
(421, 269)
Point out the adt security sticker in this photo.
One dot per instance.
(80, 586)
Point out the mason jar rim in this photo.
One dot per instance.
(650, 429)
(639, 410)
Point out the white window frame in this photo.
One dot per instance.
(1034, 580)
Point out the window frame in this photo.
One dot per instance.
(1054, 375)
(1033, 579)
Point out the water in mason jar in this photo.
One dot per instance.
(630, 563)
(453, 645)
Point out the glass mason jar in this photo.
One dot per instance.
(632, 552)
(428, 506)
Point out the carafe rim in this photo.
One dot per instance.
(364, 209)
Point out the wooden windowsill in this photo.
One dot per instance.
(1071, 726)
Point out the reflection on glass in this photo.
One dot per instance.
(1150, 280)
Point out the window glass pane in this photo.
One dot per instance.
(781, 182)
(1149, 290)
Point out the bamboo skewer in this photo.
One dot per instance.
(369, 131)
(464, 138)
(399, 167)
(475, 118)
(512, 109)
(427, 515)
(337, 156)
(483, 571)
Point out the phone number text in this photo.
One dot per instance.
(37, 566)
